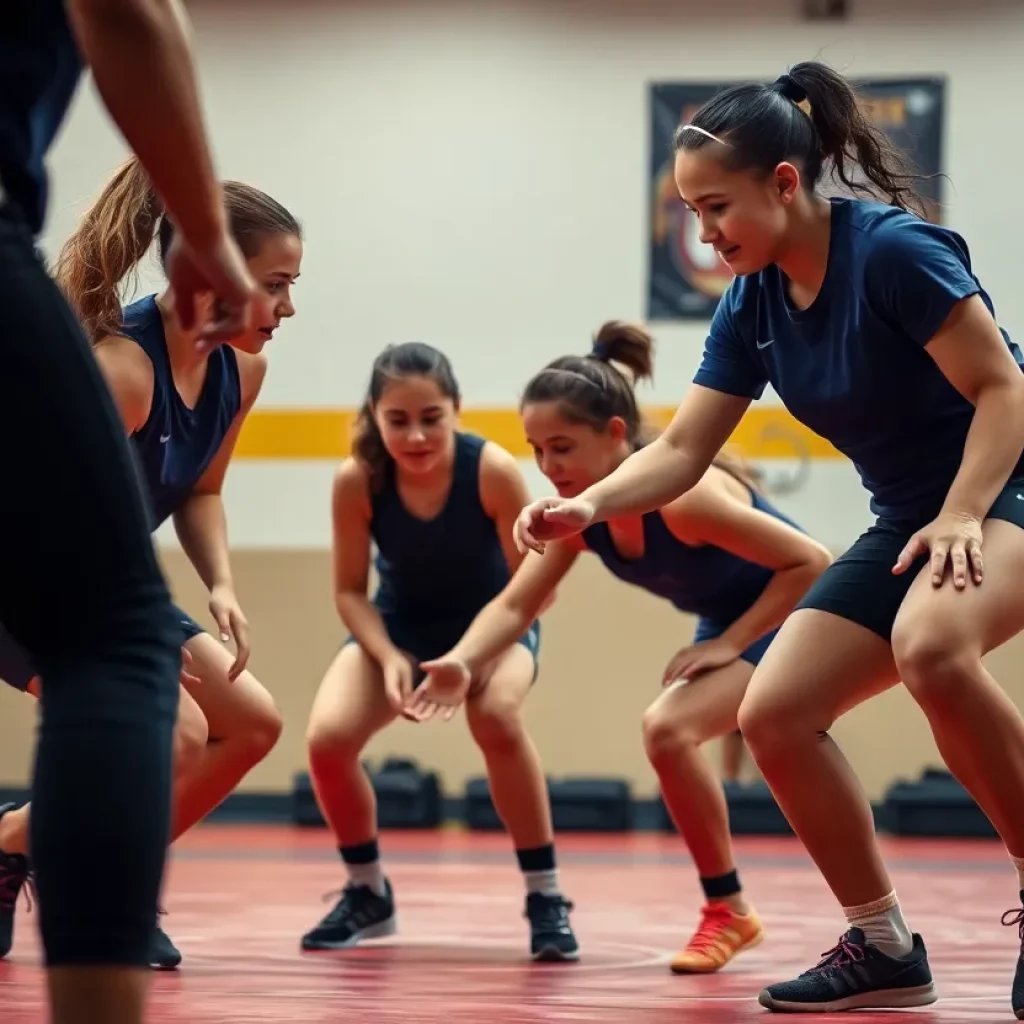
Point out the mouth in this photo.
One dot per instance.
(267, 332)
(416, 456)
(728, 253)
(564, 487)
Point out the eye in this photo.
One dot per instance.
(718, 208)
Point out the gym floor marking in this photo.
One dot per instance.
(239, 898)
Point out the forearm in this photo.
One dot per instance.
(497, 626)
(772, 608)
(649, 479)
(141, 59)
(202, 529)
(994, 445)
(362, 619)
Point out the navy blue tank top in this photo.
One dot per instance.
(39, 72)
(443, 568)
(699, 579)
(176, 444)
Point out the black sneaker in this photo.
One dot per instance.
(1017, 992)
(360, 913)
(551, 935)
(163, 954)
(15, 872)
(856, 976)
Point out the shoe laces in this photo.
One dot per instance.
(1017, 919)
(839, 956)
(547, 911)
(15, 877)
(715, 918)
(353, 901)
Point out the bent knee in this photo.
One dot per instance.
(258, 728)
(773, 723)
(330, 742)
(665, 735)
(932, 660)
(494, 724)
(191, 735)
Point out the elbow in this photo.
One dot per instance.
(816, 562)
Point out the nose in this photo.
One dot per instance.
(707, 229)
(286, 309)
(416, 433)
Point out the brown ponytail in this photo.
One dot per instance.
(121, 225)
(107, 246)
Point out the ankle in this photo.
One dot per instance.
(14, 832)
(737, 903)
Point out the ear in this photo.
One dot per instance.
(787, 181)
(616, 428)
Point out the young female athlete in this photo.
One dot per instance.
(870, 324)
(439, 505)
(88, 600)
(722, 552)
(182, 408)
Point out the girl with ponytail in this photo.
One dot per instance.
(182, 404)
(722, 552)
(438, 505)
(872, 327)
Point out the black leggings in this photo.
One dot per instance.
(82, 591)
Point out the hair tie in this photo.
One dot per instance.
(601, 350)
(789, 87)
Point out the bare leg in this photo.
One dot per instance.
(349, 709)
(243, 726)
(939, 639)
(517, 782)
(818, 667)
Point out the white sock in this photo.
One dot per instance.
(1018, 863)
(542, 881)
(883, 925)
(368, 874)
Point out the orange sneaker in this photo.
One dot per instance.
(722, 934)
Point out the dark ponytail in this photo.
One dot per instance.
(592, 389)
(121, 225)
(411, 359)
(762, 126)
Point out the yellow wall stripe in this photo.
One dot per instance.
(766, 432)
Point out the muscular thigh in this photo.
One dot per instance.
(818, 667)
(706, 706)
(226, 704)
(978, 618)
(350, 705)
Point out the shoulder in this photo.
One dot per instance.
(139, 318)
(686, 515)
(350, 489)
(893, 240)
(501, 479)
(252, 371)
(126, 365)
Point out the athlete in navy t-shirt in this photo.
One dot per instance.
(870, 325)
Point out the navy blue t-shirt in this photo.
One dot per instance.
(853, 366)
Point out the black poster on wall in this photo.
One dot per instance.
(685, 278)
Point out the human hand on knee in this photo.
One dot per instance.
(445, 687)
(697, 658)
